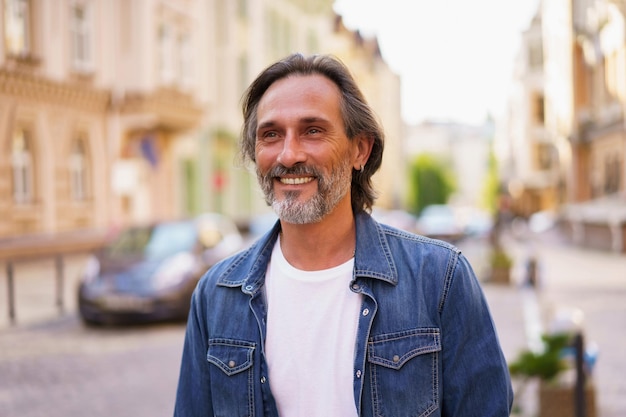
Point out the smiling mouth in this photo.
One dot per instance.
(296, 180)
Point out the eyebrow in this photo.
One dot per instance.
(305, 120)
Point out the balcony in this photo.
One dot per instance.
(165, 108)
(593, 124)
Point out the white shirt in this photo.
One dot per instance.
(311, 334)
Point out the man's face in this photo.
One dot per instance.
(304, 159)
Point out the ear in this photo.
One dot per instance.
(363, 145)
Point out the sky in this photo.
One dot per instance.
(455, 57)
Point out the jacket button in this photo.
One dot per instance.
(263, 380)
(231, 364)
(396, 358)
(358, 373)
(356, 287)
(366, 311)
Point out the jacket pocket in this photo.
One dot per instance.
(394, 349)
(404, 372)
(231, 356)
(231, 377)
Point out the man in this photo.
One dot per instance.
(331, 313)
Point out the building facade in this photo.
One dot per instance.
(597, 209)
(116, 112)
(530, 165)
(583, 83)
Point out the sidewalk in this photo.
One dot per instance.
(572, 280)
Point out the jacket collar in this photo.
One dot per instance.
(372, 259)
(373, 256)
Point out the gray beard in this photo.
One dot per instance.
(331, 190)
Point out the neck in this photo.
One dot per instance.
(322, 245)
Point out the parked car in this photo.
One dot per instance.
(148, 273)
(475, 222)
(439, 221)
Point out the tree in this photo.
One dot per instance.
(431, 181)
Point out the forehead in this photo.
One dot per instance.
(300, 93)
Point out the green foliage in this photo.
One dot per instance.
(545, 365)
(431, 181)
(491, 185)
(500, 259)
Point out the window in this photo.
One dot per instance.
(612, 174)
(185, 60)
(22, 167)
(539, 108)
(274, 34)
(243, 73)
(175, 56)
(221, 23)
(312, 41)
(535, 55)
(78, 171)
(17, 27)
(81, 30)
(166, 53)
(545, 156)
(242, 9)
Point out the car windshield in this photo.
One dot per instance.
(154, 242)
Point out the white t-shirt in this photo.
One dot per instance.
(311, 334)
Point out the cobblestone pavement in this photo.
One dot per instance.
(62, 369)
(51, 365)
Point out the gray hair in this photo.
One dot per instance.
(358, 117)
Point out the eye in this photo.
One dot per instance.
(268, 135)
(313, 131)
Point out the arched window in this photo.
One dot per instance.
(22, 167)
(78, 166)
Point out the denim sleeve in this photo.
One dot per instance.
(193, 397)
(476, 380)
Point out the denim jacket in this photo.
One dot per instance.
(426, 343)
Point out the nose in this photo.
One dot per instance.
(292, 152)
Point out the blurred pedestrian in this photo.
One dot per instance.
(331, 313)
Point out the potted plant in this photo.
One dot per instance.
(556, 395)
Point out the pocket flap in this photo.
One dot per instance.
(231, 356)
(393, 350)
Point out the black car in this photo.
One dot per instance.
(147, 273)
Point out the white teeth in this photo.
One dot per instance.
(296, 181)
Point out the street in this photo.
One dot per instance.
(52, 365)
(63, 369)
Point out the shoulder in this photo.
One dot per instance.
(401, 241)
(432, 256)
(399, 256)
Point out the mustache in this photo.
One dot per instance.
(281, 170)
